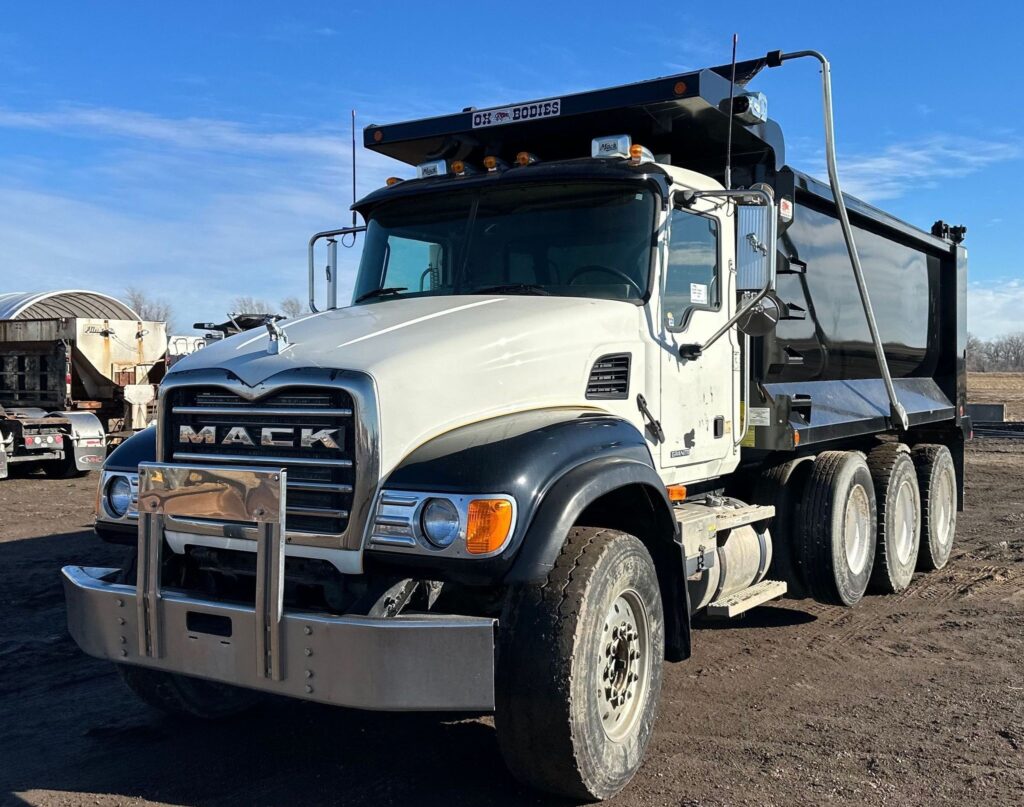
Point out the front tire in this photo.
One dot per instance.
(579, 668)
(181, 695)
(184, 696)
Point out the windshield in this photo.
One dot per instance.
(580, 240)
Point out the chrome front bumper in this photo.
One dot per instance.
(405, 663)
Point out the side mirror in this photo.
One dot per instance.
(755, 247)
(760, 318)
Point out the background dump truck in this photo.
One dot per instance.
(75, 369)
(610, 363)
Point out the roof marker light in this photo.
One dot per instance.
(526, 158)
(610, 146)
(434, 168)
(393, 181)
(493, 164)
(461, 168)
(639, 154)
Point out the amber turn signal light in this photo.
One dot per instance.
(676, 493)
(488, 526)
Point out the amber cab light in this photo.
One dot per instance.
(488, 526)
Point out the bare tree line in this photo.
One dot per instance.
(999, 354)
(158, 309)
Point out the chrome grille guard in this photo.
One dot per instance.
(253, 495)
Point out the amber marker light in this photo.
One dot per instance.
(677, 493)
(378, 135)
(490, 521)
(639, 154)
(393, 181)
(525, 158)
(491, 163)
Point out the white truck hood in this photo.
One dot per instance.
(442, 362)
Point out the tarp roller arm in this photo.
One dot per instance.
(896, 411)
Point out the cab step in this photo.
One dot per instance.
(742, 601)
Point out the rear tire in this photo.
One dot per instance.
(579, 668)
(936, 476)
(899, 517)
(185, 696)
(784, 486)
(838, 528)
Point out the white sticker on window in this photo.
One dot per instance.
(698, 294)
(759, 416)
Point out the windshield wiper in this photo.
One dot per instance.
(511, 288)
(380, 293)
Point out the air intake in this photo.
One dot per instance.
(609, 378)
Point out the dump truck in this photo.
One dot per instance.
(610, 365)
(76, 368)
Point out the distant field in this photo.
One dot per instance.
(1007, 388)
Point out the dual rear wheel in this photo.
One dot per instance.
(848, 522)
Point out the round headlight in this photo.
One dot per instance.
(119, 496)
(440, 522)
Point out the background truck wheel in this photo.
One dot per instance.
(838, 527)
(579, 668)
(784, 486)
(185, 696)
(63, 468)
(899, 517)
(936, 477)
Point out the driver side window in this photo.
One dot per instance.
(692, 278)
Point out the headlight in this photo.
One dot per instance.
(440, 522)
(118, 496)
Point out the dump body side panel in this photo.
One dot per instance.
(817, 373)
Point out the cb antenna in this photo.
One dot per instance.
(353, 158)
(728, 137)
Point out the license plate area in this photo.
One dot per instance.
(210, 624)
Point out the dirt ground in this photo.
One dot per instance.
(912, 699)
(1007, 388)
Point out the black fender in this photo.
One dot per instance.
(622, 494)
(556, 463)
(140, 447)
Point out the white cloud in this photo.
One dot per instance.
(194, 210)
(995, 308)
(902, 168)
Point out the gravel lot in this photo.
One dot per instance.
(912, 699)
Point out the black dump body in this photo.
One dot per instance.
(817, 374)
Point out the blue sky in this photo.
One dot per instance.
(192, 148)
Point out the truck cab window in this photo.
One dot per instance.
(692, 277)
(413, 264)
(573, 240)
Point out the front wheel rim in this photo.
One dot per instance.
(625, 664)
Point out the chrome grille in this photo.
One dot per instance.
(321, 479)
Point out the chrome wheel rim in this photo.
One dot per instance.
(906, 517)
(857, 529)
(945, 523)
(625, 665)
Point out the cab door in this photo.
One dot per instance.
(699, 402)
